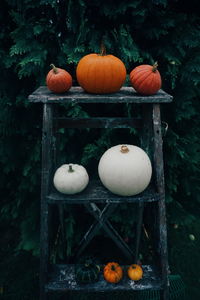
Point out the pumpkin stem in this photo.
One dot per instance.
(133, 267)
(102, 49)
(113, 267)
(124, 149)
(55, 70)
(154, 69)
(70, 170)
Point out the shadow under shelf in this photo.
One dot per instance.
(96, 192)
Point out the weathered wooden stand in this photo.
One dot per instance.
(60, 278)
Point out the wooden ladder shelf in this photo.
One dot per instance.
(60, 278)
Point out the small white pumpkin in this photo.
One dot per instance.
(70, 179)
(125, 170)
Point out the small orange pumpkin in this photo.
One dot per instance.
(135, 272)
(146, 79)
(58, 80)
(101, 73)
(113, 272)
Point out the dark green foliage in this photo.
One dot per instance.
(37, 33)
(18, 280)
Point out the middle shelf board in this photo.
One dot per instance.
(62, 279)
(96, 192)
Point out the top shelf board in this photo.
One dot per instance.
(78, 95)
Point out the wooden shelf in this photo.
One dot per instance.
(96, 192)
(77, 95)
(62, 279)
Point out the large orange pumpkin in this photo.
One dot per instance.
(101, 73)
(146, 79)
(58, 80)
(113, 272)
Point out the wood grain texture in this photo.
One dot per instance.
(77, 95)
(62, 279)
(160, 183)
(47, 146)
(96, 192)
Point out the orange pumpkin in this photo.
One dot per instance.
(101, 73)
(113, 272)
(135, 272)
(146, 79)
(58, 80)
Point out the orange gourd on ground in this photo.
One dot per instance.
(135, 272)
(113, 272)
(58, 80)
(146, 79)
(101, 73)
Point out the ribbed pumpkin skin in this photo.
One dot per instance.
(146, 79)
(59, 81)
(87, 273)
(100, 74)
(135, 272)
(113, 272)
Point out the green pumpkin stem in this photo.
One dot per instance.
(102, 49)
(113, 267)
(55, 70)
(154, 69)
(70, 170)
(133, 267)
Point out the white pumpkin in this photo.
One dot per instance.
(125, 170)
(70, 179)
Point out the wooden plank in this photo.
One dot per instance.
(63, 229)
(138, 230)
(94, 228)
(146, 145)
(96, 192)
(47, 143)
(101, 217)
(158, 149)
(146, 139)
(159, 174)
(62, 279)
(98, 122)
(77, 95)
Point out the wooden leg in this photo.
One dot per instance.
(159, 170)
(165, 293)
(138, 230)
(45, 182)
(44, 254)
(62, 227)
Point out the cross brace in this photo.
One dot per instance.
(101, 217)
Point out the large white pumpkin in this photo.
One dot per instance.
(125, 170)
(70, 179)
